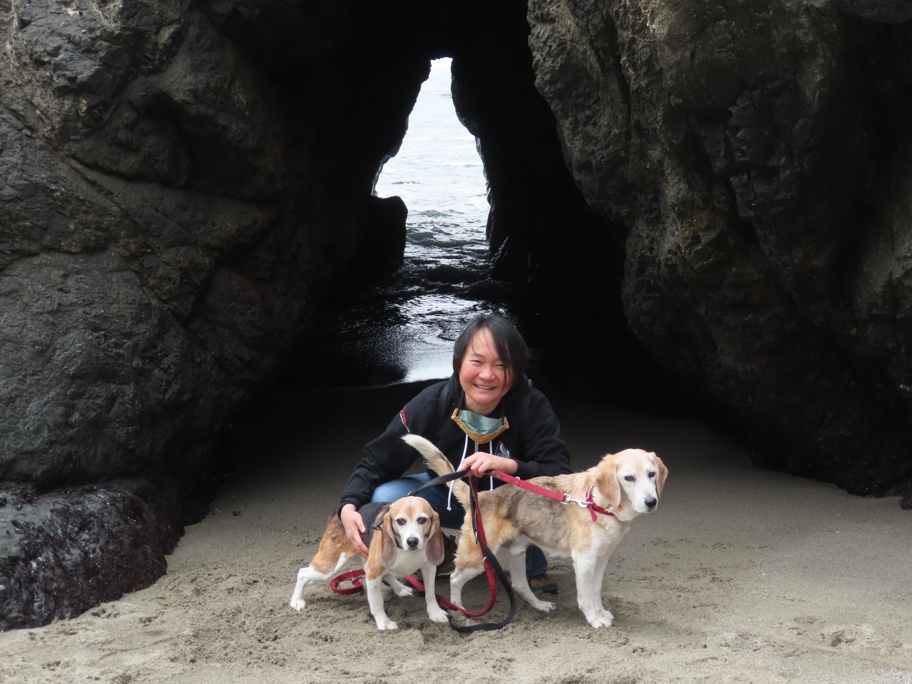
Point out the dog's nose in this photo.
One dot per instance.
(651, 503)
(412, 542)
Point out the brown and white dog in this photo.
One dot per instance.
(407, 538)
(627, 484)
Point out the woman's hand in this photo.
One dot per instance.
(481, 462)
(354, 527)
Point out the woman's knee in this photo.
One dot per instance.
(396, 489)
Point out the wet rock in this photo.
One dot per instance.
(65, 551)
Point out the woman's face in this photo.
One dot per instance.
(483, 376)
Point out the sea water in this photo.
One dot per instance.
(440, 177)
(403, 329)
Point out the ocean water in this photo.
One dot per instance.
(403, 328)
(440, 177)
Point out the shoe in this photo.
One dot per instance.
(542, 583)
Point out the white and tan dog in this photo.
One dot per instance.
(627, 484)
(407, 538)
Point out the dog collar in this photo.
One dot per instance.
(594, 507)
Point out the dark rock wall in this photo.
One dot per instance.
(566, 260)
(757, 152)
(178, 190)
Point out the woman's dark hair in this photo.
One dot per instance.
(510, 345)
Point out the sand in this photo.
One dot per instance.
(741, 575)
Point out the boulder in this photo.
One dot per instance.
(758, 154)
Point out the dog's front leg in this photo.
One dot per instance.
(375, 600)
(435, 612)
(600, 567)
(469, 564)
(584, 566)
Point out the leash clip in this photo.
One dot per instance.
(582, 503)
(579, 502)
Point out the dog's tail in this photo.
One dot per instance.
(440, 464)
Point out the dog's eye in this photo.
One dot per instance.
(652, 474)
(422, 520)
(630, 478)
(401, 521)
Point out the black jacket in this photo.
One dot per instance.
(533, 438)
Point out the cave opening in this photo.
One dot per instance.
(439, 175)
(399, 326)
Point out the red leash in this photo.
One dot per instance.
(489, 569)
(551, 494)
(353, 576)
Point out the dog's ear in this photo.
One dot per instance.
(606, 480)
(434, 545)
(388, 547)
(661, 475)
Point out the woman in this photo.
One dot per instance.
(503, 424)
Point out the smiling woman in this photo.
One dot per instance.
(488, 388)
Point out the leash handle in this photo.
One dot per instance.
(441, 479)
(492, 568)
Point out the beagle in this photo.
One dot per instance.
(408, 538)
(625, 484)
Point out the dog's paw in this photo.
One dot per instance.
(602, 618)
(545, 606)
(386, 624)
(403, 591)
(439, 615)
(298, 604)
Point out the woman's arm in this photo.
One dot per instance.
(387, 457)
(546, 453)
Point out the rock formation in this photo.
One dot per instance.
(706, 201)
(758, 154)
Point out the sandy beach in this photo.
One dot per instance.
(741, 575)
